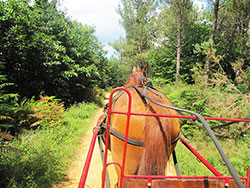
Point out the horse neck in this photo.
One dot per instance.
(133, 80)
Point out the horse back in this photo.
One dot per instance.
(140, 126)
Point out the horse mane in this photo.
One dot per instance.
(133, 80)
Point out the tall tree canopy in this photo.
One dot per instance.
(138, 18)
(43, 50)
(182, 37)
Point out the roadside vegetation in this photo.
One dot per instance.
(237, 151)
(222, 100)
(40, 157)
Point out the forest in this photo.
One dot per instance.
(175, 37)
(50, 63)
(43, 51)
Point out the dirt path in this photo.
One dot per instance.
(94, 174)
(76, 167)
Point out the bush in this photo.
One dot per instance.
(189, 98)
(46, 152)
(237, 152)
(48, 112)
(30, 114)
(213, 102)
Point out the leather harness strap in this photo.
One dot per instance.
(130, 140)
(115, 133)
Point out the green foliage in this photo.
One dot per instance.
(162, 64)
(46, 152)
(214, 102)
(187, 97)
(113, 74)
(188, 163)
(48, 112)
(46, 51)
(237, 153)
(8, 102)
(23, 114)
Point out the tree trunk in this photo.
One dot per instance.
(178, 63)
(232, 38)
(212, 35)
(244, 51)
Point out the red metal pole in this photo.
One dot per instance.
(107, 133)
(89, 155)
(248, 179)
(185, 117)
(182, 177)
(122, 167)
(126, 137)
(204, 161)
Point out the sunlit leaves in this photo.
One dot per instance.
(46, 51)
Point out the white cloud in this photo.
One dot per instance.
(201, 4)
(103, 16)
(98, 13)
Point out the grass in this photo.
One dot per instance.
(47, 152)
(238, 153)
(234, 139)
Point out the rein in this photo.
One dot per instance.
(199, 117)
(210, 133)
(118, 135)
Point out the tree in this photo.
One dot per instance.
(212, 36)
(179, 29)
(44, 50)
(239, 31)
(138, 20)
(182, 8)
(232, 36)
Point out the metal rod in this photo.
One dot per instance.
(184, 117)
(126, 137)
(89, 156)
(182, 177)
(204, 161)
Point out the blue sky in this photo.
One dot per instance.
(103, 16)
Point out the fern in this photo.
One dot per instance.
(48, 112)
(8, 103)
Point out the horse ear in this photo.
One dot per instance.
(134, 70)
(144, 69)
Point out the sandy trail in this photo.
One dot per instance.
(94, 173)
(76, 167)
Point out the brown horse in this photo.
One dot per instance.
(157, 133)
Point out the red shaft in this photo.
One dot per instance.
(89, 155)
(204, 161)
(184, 117)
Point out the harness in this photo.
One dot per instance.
(112, 131)
(148, 86)
(120, 136)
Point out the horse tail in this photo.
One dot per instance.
(157, 145)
